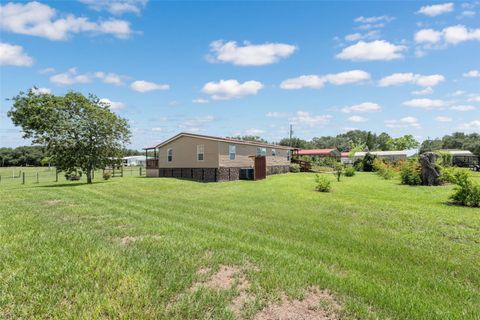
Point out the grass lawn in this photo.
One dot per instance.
(131, 248)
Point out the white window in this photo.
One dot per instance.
(200, 152)
(169, 155)
(274, 153)
(232, 152)
(261, 152)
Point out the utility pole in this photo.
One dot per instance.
(291, 134)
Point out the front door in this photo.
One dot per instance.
(260, 167)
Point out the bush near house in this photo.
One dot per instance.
(349, 171)
(410, 173)
(294, 167)
(383, 169)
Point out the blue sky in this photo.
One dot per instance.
(230, 68)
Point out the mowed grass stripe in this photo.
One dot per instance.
(292, 252)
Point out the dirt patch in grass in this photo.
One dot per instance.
(53, 202)
(239, 303)
(316, 305)
(126, 240)
(224, 279)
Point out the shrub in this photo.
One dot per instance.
(450, 174)
(410, 173)
(466, 192)
(444, 158)
(367, 162)
(73, 175)
(383, 170)
(358, 165)
(323, 183)
(338, 171)
(294, 167)
(349, 171)
(107, 175)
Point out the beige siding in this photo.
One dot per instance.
(244, 153)
(185, 153)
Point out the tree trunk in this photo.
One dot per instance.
(89, 176)
(430, 175)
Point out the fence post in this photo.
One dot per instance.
(56, 175)
(121, 171)
(140, 172)
(37, 177)
(23, 177)
(0, 178)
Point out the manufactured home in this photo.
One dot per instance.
(391, 156)
(208, 158)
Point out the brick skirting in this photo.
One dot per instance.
(209, 174)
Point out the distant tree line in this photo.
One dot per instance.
(355, 139)
(457, 140)
(36, 156)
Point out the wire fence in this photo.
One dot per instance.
(32, 175)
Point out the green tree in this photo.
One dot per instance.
(403, 143)
(79, 133)
(431, 145)
(295, 142)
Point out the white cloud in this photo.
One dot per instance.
(376, 19)
(254, 132)
(249, 54)
(13, 55)
(112, 105)
(159, 129)
(353, 37)
(468, 13)
(372, 34)
(70, 77)
(305, 81)
(426, 103)
(200, 101)
(318, 81)
(403, 123)
(357, 119)
(116, 7)
(418, 79)
(474, 99)
(37, 19)
(458, 93)
(448, 36)
(305, 118)
(362, 107)
(41, 90)
(472, 125)
(443, 119)
(472, 74)
(46, 70)
(427, 90)
(146, 86)
(428, 36)
(369, 51)
(459, 33)
(110, 78)
(196, 124)
(463, 108)
(436, 9)
(375, 22)
(277, 114)
(231, 89)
